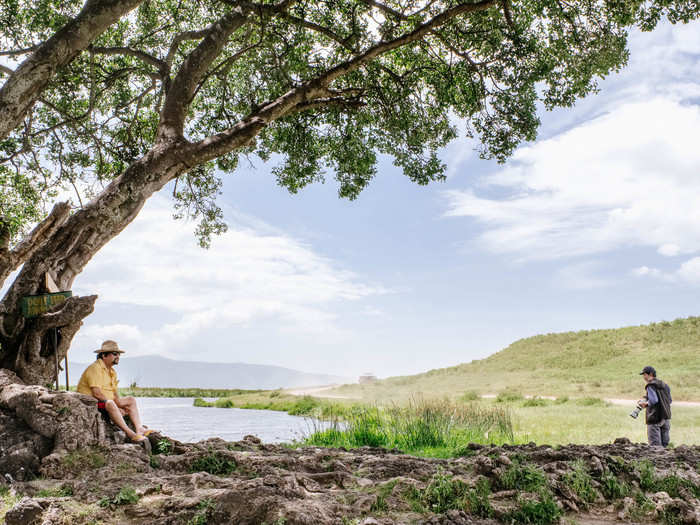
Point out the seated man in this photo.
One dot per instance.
(100, 381)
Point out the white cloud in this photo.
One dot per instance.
(581, 276)
(628, 178)
(91, 336)
(249, 274)
(690, 271)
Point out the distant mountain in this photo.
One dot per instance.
(156, 371)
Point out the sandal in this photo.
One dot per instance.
(149, 432)
(138, 438)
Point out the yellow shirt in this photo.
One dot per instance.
(97, 374)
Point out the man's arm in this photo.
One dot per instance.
(97, 393)
(652, 396)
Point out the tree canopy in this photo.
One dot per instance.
(326, 85)
(111, 100)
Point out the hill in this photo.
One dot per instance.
(157, 371)
(590, 363)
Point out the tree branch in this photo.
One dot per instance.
(21, 90)
(160, 65)
(195, 66)
(12, 259)
(246, 130)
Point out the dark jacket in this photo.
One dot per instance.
(662, 409)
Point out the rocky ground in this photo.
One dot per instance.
(62, 464)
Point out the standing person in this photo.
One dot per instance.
(99, 380)
(658, 408)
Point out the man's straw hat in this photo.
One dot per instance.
(109, 346)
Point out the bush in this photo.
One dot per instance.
(469, 395)
(535, 402)
(224, 403)
(199, 402)
(508, 396)
(304, 406)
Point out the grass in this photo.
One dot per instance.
(540, 511)
(7, 501)
(214, 463)
(590, 363)
(203, 514)
(126, 496)
(581, 482)
(55, 492)
(85, 458)
(527, 478)
(422, 427)
(138, 391)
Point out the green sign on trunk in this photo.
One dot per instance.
(33, 305)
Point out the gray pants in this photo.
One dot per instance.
(658, 433)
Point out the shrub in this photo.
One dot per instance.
(444, 493)
(224, 402)
(304, 406)
(561, 400)
(526, 478)
(477, 499)
(213, 463)
(164, 446)
(647, 475)
(542, 511)
(199, 402)
(535, 402)
(126, 496)
(469, 395)
(641, 508)
(508, 396)
(205, 509)
(613, 488)
(581, 482)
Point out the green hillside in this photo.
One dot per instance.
(590, 363)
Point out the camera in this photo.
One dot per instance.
(637, 409)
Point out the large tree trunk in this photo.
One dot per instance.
(26, 345)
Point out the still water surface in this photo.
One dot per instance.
(177, 418)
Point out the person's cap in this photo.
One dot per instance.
(109, 346)
(648, 370)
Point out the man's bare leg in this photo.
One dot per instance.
(130, 407)
(116, 416)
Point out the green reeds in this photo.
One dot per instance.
(429, 426)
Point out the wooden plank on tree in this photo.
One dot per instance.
(33, 305)
(50, 284)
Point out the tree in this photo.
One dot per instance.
(179, 90)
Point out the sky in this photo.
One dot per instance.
(596, 224)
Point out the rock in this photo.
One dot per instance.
(26, 512)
